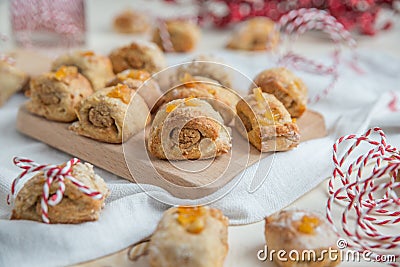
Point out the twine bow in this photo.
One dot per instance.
(52, 174)
(370, 196)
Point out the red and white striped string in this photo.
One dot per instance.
(52, 174)
(298, 22)
(368, 195)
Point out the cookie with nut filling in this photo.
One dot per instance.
(190, 237)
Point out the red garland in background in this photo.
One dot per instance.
(358, 15)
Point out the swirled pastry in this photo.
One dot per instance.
(284, 85)
(221, 99)
(75, 206)
(302, 231)
(138, 55)
(268, 125)
(188, 129)
(54, 95)
(255, 34)
(139, 80)
(130, 21)
(12, 80)
(111, 115)
(204, 66)
(179, 36)
(96, 68)
(190, 237)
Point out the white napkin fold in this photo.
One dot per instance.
(130, 214)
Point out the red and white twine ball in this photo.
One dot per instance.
(368, 194)
(298, 22)
(52, 174)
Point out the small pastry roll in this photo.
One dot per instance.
(111, 115)
(221, 99)
(268, 125)
(140, 56)
(12, 80)
(190, 237)
(204, 66)
(284, 85)
(75, 207)
(188, 129)
(182, 35)
(255, 34)
(54, 95)
(140, 81)
(96, 68)
(302, 231)
(130, 21)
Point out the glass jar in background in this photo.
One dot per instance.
(48, 23)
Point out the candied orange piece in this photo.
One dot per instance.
(308, 224)
(192, 218)
(64, 71)
(87, 53)
(141, 75)
(122, 92)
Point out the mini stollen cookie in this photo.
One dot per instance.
(96, 68)
(12, 80)
(54, 95)
(302, 231)
(255, 34)
(221, 99)
(284, 85)
(139, 80)
(188, 129)
(204, 66)
(180, 35)
(138, 55)
(190, 237)
(130, 21)
(268, 125)
(42, 198)
(111, 115)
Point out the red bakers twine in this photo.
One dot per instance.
(368, 195)
(298, 22)
(52, 174)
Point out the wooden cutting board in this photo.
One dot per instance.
(187, 179)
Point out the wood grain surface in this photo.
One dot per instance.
(184, 179)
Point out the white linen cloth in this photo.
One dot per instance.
(357, 101)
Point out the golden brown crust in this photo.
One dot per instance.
(75, 207)
(284, 85)
(183, 35)
(301, 231)
(266, 123)
(12, 80)
(221, 99)
(96, 68)
(204, 66)
(173, 245)
(138, 55)
(54, 95)
(130, 21)
(111, 115)
(141, 81)
(254, 35)
(188, 129)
